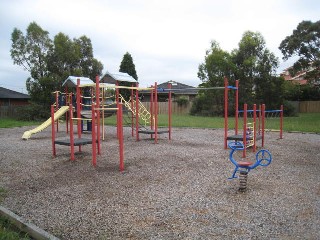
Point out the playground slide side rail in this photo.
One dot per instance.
(27, 134)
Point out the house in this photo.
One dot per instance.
(12, 98)
(179, 90)
(113, 78)
(301, 76)
(71, 81)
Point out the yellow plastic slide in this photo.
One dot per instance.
(57, 115)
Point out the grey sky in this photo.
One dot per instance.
(166, 38)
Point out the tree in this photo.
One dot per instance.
(51, 62)
(73, 57)
(217, 64)
(255, 65)
(127, 66)
(252, 63)
(31, 51)
(90, 66)
(304, 43)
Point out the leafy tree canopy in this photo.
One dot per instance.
(304, 43)
(50, 62)
(252, 63)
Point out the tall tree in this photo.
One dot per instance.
(127, 66)
(50, 62)
(216, 65)
(64, 57)
(252, 63)
(90, 66)
(31, 51)
(304, 43)
(255, 65)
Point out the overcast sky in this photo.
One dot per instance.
(167, 39)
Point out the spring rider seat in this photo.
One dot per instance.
(263, 159)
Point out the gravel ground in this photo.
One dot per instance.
(176, 189)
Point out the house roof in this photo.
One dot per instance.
(177, 88)
(71, 81)
(117, 76)
(7, 93)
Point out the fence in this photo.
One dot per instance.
(8, 111)
(306, 106)
(176, 109)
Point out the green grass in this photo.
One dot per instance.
(10, 123)
(9, 232)
(305, 122)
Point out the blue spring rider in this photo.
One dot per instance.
(263, 158)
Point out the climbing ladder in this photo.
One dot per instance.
(250, 134)
(143, 113)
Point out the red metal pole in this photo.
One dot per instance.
(170, 110)
(254, 127)
(259, 118)
(281, 121)
(137, 112)
(78, 110)
(262, 123)
(156, 112)
(244, 129)
(66, 92)
(121, 151)
(237, 107)
(93, 135)
(98, 112)
(117, 103)
(71, 133)
(53, 134)
(57, 107)
(151, 108)
(131, 102)
(225, 112)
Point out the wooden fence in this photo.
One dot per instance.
(306, 106)
(8, 111)
(309, 107)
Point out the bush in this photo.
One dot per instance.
(182, 101)
(33, 112)
(204, 106)
(289, 110)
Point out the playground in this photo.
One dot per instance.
(175, 189)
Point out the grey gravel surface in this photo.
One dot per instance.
(176, 189)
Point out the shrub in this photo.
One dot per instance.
(33, 112)
(289, 110)
(182, 101)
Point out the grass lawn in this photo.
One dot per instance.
(10, 123)
(305, 122)
(8, 231)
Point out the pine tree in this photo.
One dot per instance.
(127, 66)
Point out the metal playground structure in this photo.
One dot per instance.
(263, 158)
(253, 130)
